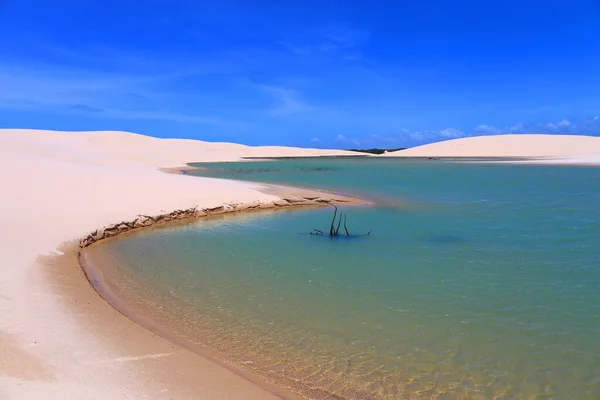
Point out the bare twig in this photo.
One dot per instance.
(337, 230)
(331, 229)
(345, 227)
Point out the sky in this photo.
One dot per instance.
(329, 74)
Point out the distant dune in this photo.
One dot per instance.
(521, 145)
(125, 148)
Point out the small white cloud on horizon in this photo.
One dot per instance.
(418, 136)
(432, 135)
(486, 130)
(564, 124)
(518, 127)
(585, 126)
(344, 139)
(315, 140)
(451, 133)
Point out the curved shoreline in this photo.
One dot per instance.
(306, 199)
(95, 279)
(146, 221)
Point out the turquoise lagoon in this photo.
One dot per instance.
(478, 281)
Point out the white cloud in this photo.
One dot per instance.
(332, 40)
(343, 36)
(589, 126)
(564, 124)
(73, 91)
(287, 101)
(432, 135)
(486, 130)
(344, 139)
(315, 140)
(518, 127)
(451, 133)
(418, 136)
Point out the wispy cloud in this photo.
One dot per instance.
(430, 135)
(165, 116)
(343, 36)
(486, 130)
(115, 95)
(518, 127)
(585, 126)
(286, 101)
(343, 139)
(451, 133)
(334, 39)
(561, 126)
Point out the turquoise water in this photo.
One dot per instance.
(478, 281)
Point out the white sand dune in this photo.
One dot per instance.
(58, 187)
(563, 148)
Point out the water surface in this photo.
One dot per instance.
(485, 285)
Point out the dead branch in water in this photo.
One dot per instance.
(345, 227)
(331, 230)
(334, 230)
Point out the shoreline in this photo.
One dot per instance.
(304, 199)
(95, 279)
(316, 199)
(158, 367)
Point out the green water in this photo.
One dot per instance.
(478, 281)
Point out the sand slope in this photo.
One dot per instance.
(553, 146)
(123, 148)
(59, 186)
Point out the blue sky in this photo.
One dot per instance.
(305, 73)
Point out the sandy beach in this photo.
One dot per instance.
(58, 338)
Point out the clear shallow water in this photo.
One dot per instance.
(489, 289)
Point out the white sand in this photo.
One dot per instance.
(59, 186)
(551, 148)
